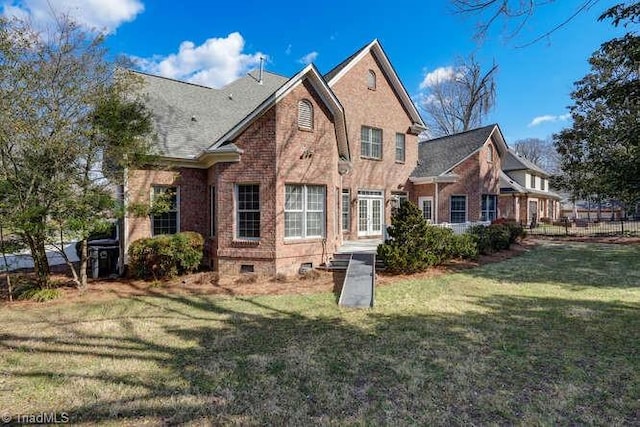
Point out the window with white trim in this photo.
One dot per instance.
(489, 153)
(166, 222)
(212, 211)
(248, 211)
(371, 142)
(400, 147)
(489, 209)
(304, 211)
(346, 209)
(458, 209)
(371, 80)
(305, 115)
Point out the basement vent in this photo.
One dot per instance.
(246, 268)
(304, 267)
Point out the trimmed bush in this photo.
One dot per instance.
(415, 246)
(496, 237)
(166, 255)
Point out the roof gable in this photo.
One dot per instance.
(333, 76)
(514, 161)
(437, 157)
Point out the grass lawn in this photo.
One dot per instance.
(549, 337)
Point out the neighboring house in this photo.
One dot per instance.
(524, 191)
(457, 179)
(277, 172)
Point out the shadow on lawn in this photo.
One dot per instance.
(582, 265)
(509, 360)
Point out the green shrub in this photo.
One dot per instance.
(40, 295)
(415, 246)
(496, 237)
(166, 255)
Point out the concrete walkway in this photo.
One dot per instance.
(368, 246)
(359, 283)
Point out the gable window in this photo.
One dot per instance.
(426, 206)
(167, 221)
(371, 80)
(346, 209)
(304, 211)
(400, 147)
(305, 115)
(489, 207)
(248, 211)
(371, 142)
(489, 153)
(458, 210)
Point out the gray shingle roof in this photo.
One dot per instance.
(190, 118)
(513, 162)
(335, 70)
(437, 156)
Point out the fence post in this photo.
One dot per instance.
(566, 227)
(622, 225)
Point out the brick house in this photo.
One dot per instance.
(276, 173)
(457, 179)
(524, 191)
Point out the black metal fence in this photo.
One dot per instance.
(583, 227)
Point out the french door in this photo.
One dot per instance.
(370, 213)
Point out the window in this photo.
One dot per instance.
(371, 80)
(458, 209)
(489, 207)
(304, 208)
(489, 153)
(426, 206)
(371, 142)
(305, 115)
(346, 209)
(400, 156)
(398, 198)
(165, 198)
(212, 201)
(248, 211)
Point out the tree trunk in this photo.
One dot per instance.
(6, 265)
(84, 256)
(40, 262)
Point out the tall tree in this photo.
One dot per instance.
(601, 151)
(459, 100)
(56, 88)
(542, 152)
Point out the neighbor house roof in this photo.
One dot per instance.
(189, 119)
(436, 157)
(510, 186)
(514, 161)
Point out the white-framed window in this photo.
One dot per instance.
(371, 80)
(489, 208)
(490, 153)
(167, 222)
(400, 147)
(304, 211)
(212, 210)
(346, 209)
(305, 114)
(426, 206)
(248, 211)
(458, 209)
(371, 142)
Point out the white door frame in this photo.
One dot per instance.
(421, 200)
(371, 210)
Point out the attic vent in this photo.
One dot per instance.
(305, 115)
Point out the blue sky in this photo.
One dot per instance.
(213, 43)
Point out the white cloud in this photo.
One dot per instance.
(288, 49)
(548, 119)
(309, 58)
(439, 75)
(102, 15)
(214, 63)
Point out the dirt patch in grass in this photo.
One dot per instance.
(618, 240)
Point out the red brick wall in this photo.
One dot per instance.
(380, 108)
